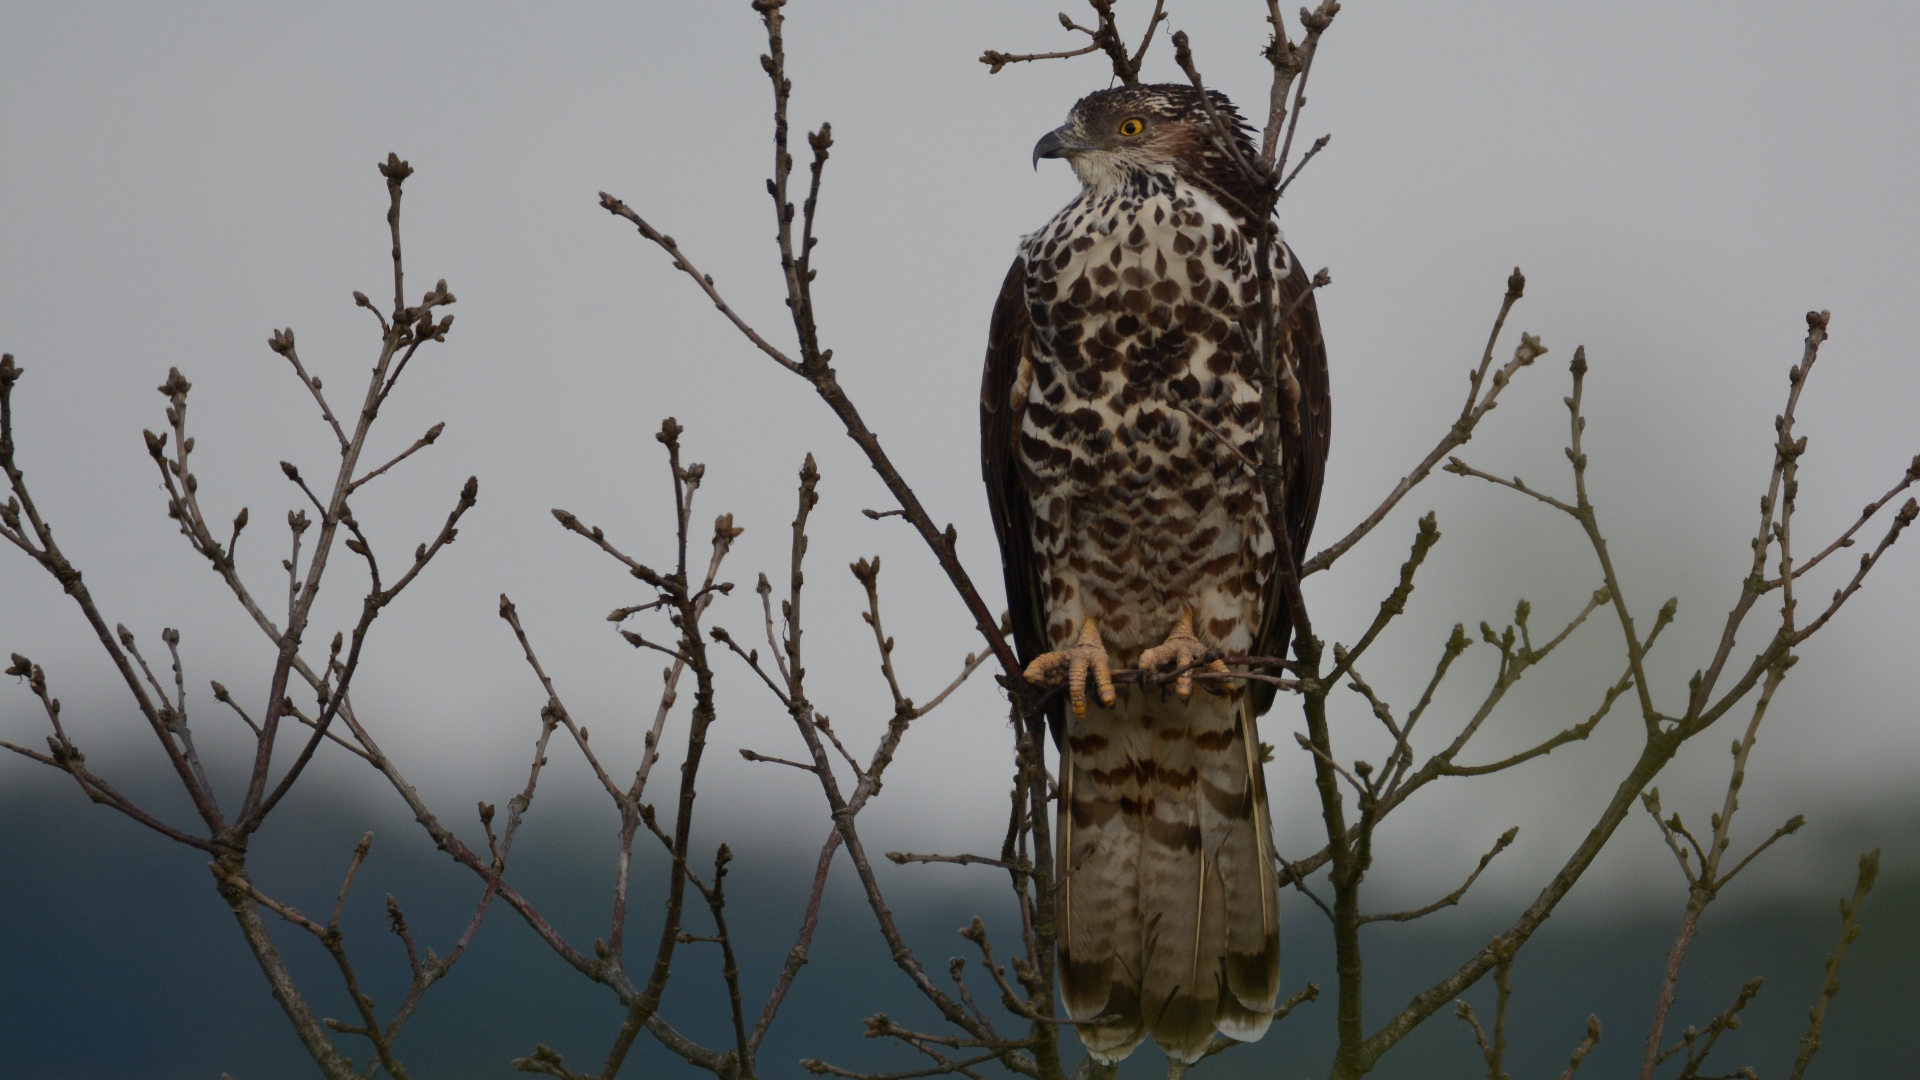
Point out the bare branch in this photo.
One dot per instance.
(1453, 897)
(843, 813)
(1651, 800)
(1105, 37)
(1396, 602)
(1792, 825)
(1477, 407)
(1845, 539)
(66, 757)
(704, 281)
(752, 756)
(815, 364)
(22, 517)
(1849, 930)
(996, 60)
(1460, 468)
(312, 382)
(424, 441)
(1586, 1046)
(902, 858)
(970, 665)
(1316, 23)
(1698, 1044)
(1319, 144)
(353, 868)
(1697, 705)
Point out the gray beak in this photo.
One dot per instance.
(1057, 143)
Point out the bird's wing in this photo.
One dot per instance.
(1303, 456)
(1009, 342)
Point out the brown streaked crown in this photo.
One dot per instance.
(1174, 129)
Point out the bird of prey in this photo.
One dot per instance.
(1133, 535)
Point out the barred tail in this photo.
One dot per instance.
(1169, 906)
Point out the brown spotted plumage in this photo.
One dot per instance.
(1132, 536)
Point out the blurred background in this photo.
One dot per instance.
(1679, 184)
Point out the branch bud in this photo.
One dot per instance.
(177, 386)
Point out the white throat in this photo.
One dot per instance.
(1102, 173)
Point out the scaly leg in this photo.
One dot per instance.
(1180, 649)
(1088, 656)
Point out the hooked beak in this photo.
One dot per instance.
(1057, 143)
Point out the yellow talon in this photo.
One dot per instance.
(1087, 656)
(1180, 649)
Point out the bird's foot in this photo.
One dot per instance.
(1087, 657)
(1180, 650)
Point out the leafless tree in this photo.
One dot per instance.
(310, 695)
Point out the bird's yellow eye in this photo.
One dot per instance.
(1131, 127)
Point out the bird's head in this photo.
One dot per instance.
(1114, 136)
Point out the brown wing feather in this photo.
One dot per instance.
(1008, 341)
(1303, 457)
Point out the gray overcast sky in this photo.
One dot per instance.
(1680, 182)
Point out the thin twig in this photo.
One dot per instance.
(1586, 1046)
(752, 756)
(996, 60)
(1830, 986)
(424, 441)
(901, 858)
(1319, 144)
(1845, 539)
(1476, 408)
(1453, 897)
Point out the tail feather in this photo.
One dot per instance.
(1239, 836)
(1169, 906)
(1099, 899)
(1178, 991)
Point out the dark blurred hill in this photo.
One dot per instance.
(117, 960)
